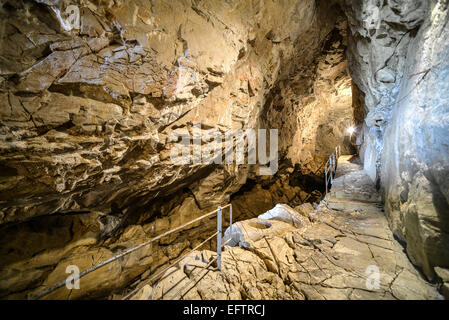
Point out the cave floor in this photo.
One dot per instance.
(343, 249)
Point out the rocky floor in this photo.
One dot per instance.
(342, 249)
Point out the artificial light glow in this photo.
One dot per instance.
(351, 130)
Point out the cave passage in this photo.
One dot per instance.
(322, 125)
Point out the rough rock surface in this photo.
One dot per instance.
(328, 252)
(87, 116)
(324, 88)
(330, 256)
(398, 57)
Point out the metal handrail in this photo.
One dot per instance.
(207, 266)
(97, 266)
(331, 167)
(217, 258)
(156, 276)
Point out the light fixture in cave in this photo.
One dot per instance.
(351, 130)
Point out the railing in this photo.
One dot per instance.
(219, 211)
(331, 167)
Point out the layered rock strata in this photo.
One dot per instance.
(398, 57)
(88, 114)
(302, 254)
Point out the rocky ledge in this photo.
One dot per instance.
(301, 253)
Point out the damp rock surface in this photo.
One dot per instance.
(341, 249)
(90, 118)
(398, 58)
(334, 254)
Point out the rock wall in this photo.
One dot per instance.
(87, 115)
(380, 34)
(86, 118)
(314, 105)
(303, 253)
(399, 60)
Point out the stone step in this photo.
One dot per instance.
(351, 204)
(365, 197)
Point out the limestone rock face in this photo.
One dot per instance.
(380, 34)
(87, 115)
(398, 57)
(416, 185)
(328, 256)
(90, 117)
(313, 103)
(36, 253)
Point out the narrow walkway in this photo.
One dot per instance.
(354, 209)
(342, 249)
(352, 187)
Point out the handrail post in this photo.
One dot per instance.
(230, 218)
(325, 174)
(331, 168)
(333, 162)
(219, 238)
(329, 172)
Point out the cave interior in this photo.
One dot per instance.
(96, 95)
